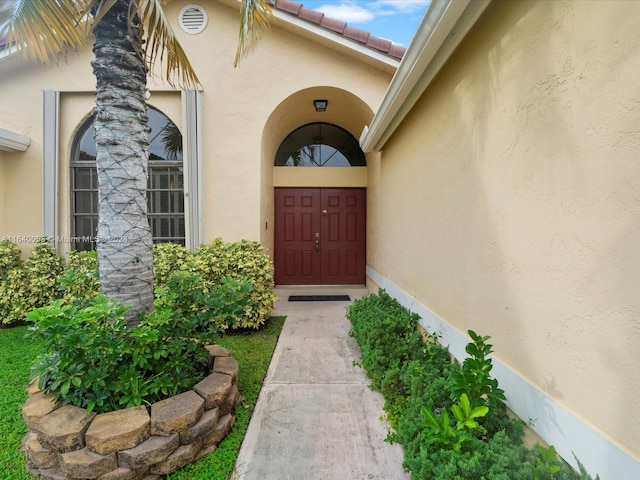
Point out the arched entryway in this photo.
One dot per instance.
(320, 232)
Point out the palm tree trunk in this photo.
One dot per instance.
(125, 248)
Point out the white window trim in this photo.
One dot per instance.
(50, 163)
(193, 155)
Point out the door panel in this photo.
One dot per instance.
(296, 262)
(320, 236)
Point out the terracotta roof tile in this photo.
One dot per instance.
(381, 44)
(313, 16)
(318, 18)
(288, 6)
(333, 24)
(396, 51)
(356, 34)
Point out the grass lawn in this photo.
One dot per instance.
(252, 349)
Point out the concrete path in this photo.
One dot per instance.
(316, 418)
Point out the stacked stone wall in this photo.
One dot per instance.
(66, 443)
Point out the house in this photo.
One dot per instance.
(485, 178)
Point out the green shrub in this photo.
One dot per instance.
(80, 282)
(12, 283)
(216, 306)
(237, 276)
(93, 360)
(10, 258)
(167, 259)
(30, 285)
(421, 385)
(242, 261)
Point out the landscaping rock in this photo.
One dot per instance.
(206, 451)
(33, 387)
(222, 428)
(176, 413)
(37, 455)
(52, 474)
(183, 455)
(153, 450)
(81, 464)
(229, 405)
(214, 389)
(63, 429)
(217, 351)
(37, 406)
(66, 443)
(205, 425)
(228, 365)
(118, 430)
(125, 474)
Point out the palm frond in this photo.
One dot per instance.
(171, 141)
(99, 8)
(43, 29)
(161, 40)
(253, 13)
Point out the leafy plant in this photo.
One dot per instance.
(80, 281)
(441, 431)
(252, 349)
(474, 377)
(201, 304)
(29, 285)
(93, 360)
(466, 440)
(545, 463)
(241, 261)
(167, 259)
(9, 258)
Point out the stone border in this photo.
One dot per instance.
(66, 443)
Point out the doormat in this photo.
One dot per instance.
(319, 298)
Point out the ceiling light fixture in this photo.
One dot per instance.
(321, 105)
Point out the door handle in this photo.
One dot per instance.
(317, 247)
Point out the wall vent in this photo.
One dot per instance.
(193, 19)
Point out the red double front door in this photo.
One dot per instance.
(320, 236)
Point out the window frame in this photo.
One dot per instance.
(79, 240)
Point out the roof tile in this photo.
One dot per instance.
(333, 24)
(356, 34)
(318, 18)
(381, 44)
(397, 51)
(313, 16)
(287, 6)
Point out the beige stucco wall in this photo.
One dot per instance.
(512, 188)
(248, 111)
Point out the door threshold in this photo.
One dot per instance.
(353, 291)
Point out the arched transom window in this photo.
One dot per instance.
(320, 145)
(165, 187)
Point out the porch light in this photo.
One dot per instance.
(321, 105)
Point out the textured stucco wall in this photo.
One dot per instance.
(237, 188)
(512, 190)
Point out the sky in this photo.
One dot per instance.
(395, 20)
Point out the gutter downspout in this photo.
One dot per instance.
(443, 27)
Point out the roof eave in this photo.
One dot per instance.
(291, 22)
(13, 142)
(442, 28)
(336, 39)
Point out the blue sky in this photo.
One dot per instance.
(395, 20)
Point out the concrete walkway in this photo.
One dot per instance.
(316, 418)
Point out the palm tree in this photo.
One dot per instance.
(129, 36)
